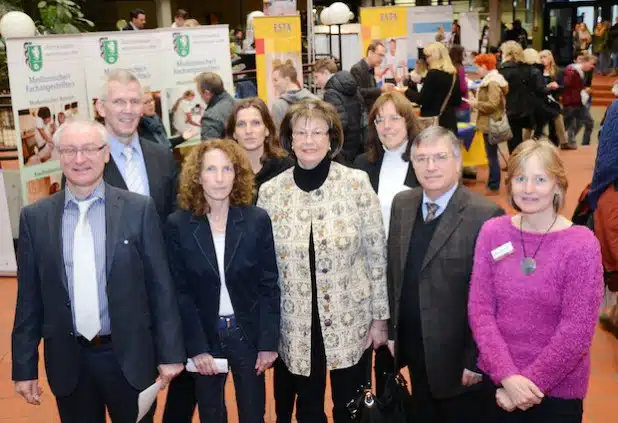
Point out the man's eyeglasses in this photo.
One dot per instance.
(87, 150)
(438, 159)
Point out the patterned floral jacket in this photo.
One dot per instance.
(350, 257)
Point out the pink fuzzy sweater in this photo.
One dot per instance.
(539, 326)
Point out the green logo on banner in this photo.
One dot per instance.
(109, 50)
(34, 57)
(182, 45)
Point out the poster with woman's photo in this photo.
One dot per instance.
(185, 109)
(395, 64)
(48, 75)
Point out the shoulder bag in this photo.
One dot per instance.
(499, 130)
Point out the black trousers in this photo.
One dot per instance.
(517, 127)
(181, 399)
(384, 364)
(550, 410)
(101, 385)
(310, 390)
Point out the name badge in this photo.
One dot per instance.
(501, 251)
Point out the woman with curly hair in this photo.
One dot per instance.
(222, 259)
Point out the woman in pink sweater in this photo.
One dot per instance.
(535, 294)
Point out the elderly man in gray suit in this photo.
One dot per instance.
(432, 235)
(219, 105)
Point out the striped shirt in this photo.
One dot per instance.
(96, 219)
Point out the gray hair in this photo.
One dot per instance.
(434, 134)
(80, 123)
(121, 76)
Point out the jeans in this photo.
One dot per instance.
(615, 60)
(249, 387)
(493, 181)
(574, 119)
(604, 61)
(463, 115)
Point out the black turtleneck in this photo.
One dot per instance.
(310, 179)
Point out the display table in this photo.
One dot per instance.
(473, 153)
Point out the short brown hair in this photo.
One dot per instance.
(328, 64)
(287, 70)
(209, 81)
(405, 110)
(374, 45)
(549, 156)
(271, 143)
(312, 109)
(191, 194)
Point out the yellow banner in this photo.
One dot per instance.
(382, 23)
(277, 41)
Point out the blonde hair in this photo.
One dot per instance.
(553, 69)
(550, 158)
(531, 56)
(512, 52)
(440, 58)
(191, 22)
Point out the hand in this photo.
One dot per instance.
(265, 360)
(470, 378)
(30, 390)
(190, 133)
(522, 391)
(553, 85)
(205, 364)
(387, 87)
(391, 347)
(503, 400)
(167, 372)
(378, 334)
(473, 102)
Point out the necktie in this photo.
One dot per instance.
(133, 177)
(432, 208)
(85, 287)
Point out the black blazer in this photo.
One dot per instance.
(373, 170)
(162, 171)
(143, 310)
(366, 81)
(251, 277)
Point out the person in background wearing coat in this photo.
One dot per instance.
(151, 127)
(393, 126)
(364, 73)
(525, 88)
(222, 259)
(456, 54)
(137, 20)
(553, 80)
(219, 104)
(431, 240)
(490, 103)
(289, 90)
(341, 91)
(535, 293)
(576, 113)
(330, 246)
(543, 113)
(441, 84)
(251, 125)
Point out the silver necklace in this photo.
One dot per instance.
(528, 264)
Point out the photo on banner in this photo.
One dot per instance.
(423, 25)
(48, 72)
(387, 24)
(277, 41)
(187, 52)
(136, 51)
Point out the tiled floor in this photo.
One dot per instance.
(600, 406)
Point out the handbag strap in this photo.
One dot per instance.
(448, 97)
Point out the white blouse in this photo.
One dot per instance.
(393, 174)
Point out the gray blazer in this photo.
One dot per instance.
(443, 281)
(215, 117)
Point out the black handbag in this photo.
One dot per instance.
(390, 407)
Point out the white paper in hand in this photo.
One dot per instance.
(146, 398)
(221, 364)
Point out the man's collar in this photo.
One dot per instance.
(99, 193)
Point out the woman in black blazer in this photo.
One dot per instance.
(441, 82)
(222, 259)
(252, 126)
(392, 128)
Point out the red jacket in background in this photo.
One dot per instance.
(573, 85)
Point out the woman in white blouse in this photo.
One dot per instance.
(392, 127)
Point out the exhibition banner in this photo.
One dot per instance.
(139, 52)
(277, 41)
(187, 52)
(423, 24)
(48, 86)
(387, 24)
(8, 266)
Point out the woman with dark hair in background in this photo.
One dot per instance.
(457, 56)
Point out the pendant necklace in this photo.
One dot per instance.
(528, 264)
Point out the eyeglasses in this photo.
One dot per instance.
(303, 135)
(392, 119)
(87, 150)
(438, 159)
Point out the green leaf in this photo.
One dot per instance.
(41, 4)
(71, 29)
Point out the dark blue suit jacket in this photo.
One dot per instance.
(143, 310)
(251, 277)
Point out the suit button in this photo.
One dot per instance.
(326, 297)
(327, 323)
(68, 304)
(324, 270)
(72, 333)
